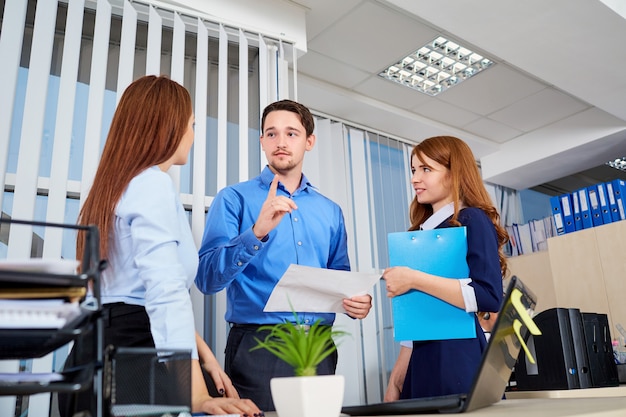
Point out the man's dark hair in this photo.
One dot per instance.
(306, 118)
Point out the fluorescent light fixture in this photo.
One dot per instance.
(619, 163)
(436, 66)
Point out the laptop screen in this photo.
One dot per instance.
(508, 337)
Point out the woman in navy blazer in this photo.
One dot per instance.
(449, 192)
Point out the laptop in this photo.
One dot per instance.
(509, 335)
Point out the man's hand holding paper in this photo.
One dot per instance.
(320, 290)
(358, 306)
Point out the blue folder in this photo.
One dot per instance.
(613, 208)
(594, 205)
(568, 213)
(555, 204)
(420, 316)
(605, 208)
(578, 220)
(619, 190)
(585, 210)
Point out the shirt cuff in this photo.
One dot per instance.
(407, 343)
(469, 296)
(250, 242)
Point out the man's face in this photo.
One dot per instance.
(284, 141)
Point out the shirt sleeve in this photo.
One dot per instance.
(483, 259)
(469, 296)
(225, 251)
(339, 250)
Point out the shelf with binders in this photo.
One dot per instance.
(530, 237)
(588, 207)
(582, 270)
(46, 304)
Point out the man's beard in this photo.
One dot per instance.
(282, 164)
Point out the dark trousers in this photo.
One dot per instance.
(251, 372)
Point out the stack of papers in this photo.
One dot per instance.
(38, 302)
(53, 266)
(148, 410)
(37, 314)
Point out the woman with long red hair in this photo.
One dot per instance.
(449, 192)
(146, 238)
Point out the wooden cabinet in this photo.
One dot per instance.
(585, 269)
(612, 252)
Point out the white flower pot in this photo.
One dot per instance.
(308, 396)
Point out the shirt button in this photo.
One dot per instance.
(239, 263)
(295, 219)
(256, 247)
(299, 243)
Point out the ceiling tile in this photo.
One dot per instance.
(356, 38)
(329, 70)
(541, 109)
(390, 92)
(491, 90)
(318, 15)
(492, 130)
(446, 113)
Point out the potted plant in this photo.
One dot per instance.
(304, 347)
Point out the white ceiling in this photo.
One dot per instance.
(553, 105)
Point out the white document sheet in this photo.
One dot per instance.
(54, 265)
(37, 314)
(318, 290)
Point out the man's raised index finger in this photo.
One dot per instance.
(273, 187)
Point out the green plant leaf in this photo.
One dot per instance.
(301, 349)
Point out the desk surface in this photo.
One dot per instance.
(619, 391)
(556, 407)
(547, 407)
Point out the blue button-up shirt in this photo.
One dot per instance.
(232, 257)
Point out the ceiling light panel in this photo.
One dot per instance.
(619, 163)
(436, 66)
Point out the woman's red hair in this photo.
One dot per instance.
(147, 127)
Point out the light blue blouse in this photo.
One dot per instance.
(153, 259)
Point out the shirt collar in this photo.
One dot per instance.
(438, 217)
(267, 176)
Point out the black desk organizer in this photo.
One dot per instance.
(36, 343)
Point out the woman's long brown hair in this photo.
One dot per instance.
(147, 127)
(466, 185)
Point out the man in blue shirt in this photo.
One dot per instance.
(254, 231)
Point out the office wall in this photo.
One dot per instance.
(535, 205)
